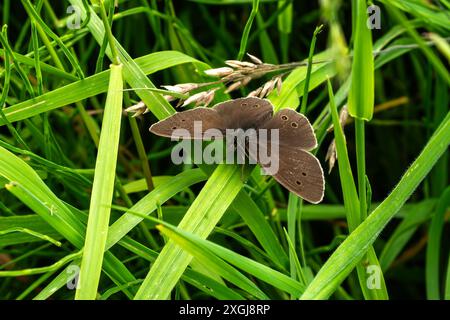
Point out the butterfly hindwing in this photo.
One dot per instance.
(182, 124)
(298, 171)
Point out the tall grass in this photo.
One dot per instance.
(81, 189)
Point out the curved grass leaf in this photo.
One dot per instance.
(89, 87)
(293, 86)
(149, 203)
(247, 28)
(349, 253)
(27, 272)
(254, 268)
(132, 73)
(215, 264)
(202, 282)
(404, 231)
(31, 222)
(30, 232)
(27, 186)
(255, 220)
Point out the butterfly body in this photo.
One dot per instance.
(286, 136)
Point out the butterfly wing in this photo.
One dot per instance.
(245, 113)
(294, 129)
(190, 124)
(298, 171)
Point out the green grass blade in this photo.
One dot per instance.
(293, 85)
(247, 28)
(31, 222)
(361, 95)
(349, 253)
(255, 220)
(215, 264)
(90, 86)
(58, 282)
(441, 44)
(431, 14)
(292, 214)
(198, 280)
(268, 52)
(27, 272)
(308, 69)
(361, 105)
(447, 282)
(285, 19)
(207, 209)
(352, 205)
(431, 56)
(434, 246)
(42, 26)
(102, 190)
(33, 192)
(258, 270)
(132, 74)
(351, 201)
(32, 233)
(397, 241)
(149, 203)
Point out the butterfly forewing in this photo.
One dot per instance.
(245, 113)
(183, 124)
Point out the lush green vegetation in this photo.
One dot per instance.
(80, 177)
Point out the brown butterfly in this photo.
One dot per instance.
(299, 171)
